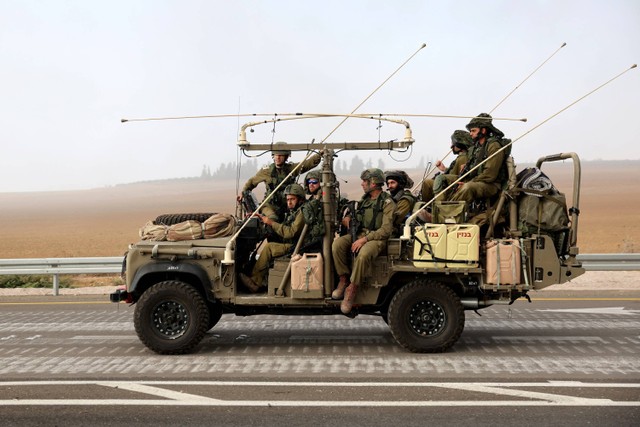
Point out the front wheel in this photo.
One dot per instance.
(171, 317)
(426, 317)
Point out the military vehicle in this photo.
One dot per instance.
(421, 287)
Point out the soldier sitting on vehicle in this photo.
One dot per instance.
(273, 174)
(289, 230)
(397, 182)
(460, 143)
(369, 232)
(313, 214)
(487, 180)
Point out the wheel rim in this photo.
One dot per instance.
(170, 319)
(427, 318)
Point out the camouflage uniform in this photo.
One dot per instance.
(289, 230)
(402, 197)
(376, 223)
(273, 176)
(431, 187)
(486, 181)
(313, 216)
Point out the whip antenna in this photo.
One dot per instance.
(375, 90)
(527, 78)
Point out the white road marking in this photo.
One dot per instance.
(601, 310)
(160, 392)
(176, 398)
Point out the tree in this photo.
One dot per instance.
(357, 165)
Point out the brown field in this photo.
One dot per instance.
(102, 222)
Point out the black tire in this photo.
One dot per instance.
(170, 219)
(215, 313)
(171, 317)
(426, 317)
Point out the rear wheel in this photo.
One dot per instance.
(171, 317)
(426, 317)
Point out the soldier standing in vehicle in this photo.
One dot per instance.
(487, 180)
(374, 217)
(460, 143)
(289, 230)
(273, 174)
(397, 183)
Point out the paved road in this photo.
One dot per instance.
(565, 360)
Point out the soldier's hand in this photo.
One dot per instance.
(358, 244)
(265, 219)
(239, 198)
(346, 221)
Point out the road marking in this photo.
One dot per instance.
(595, 310)
(177, 398)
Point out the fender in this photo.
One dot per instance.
(173, 269)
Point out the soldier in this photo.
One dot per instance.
(373, 227)
(289, 230)
(487, 180)
(312, 184)
(397, 182)
(273, 174)
(313, 214)
(460, 143)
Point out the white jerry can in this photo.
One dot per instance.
(430, 241)
(463, 246)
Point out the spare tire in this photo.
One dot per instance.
(170, 219)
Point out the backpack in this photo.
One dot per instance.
(542, 209)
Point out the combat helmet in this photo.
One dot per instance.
(400, 176)
(374, 175)
(280, 148)
(294, 189)
(484, 120)
(461, 139)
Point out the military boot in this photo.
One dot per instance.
(338, 292)
(349, 298)
(249, 283)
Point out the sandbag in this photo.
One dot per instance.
(218, 225)
(152, 231)
(187, 230)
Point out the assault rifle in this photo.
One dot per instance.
(249, 202)
(354, 224)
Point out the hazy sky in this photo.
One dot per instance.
(72, 69)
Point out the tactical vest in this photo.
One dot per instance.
(278, 200)
(370, 212)
(478, 153)
(313, 218)
(289, 219)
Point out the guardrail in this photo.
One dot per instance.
(58, 266)
(113, 265)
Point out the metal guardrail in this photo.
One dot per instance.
(113, 265)
(610, 262)
(57, 266)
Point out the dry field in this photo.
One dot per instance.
(102, 222)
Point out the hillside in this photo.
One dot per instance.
(102, 222)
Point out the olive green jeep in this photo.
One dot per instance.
(421, 287)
